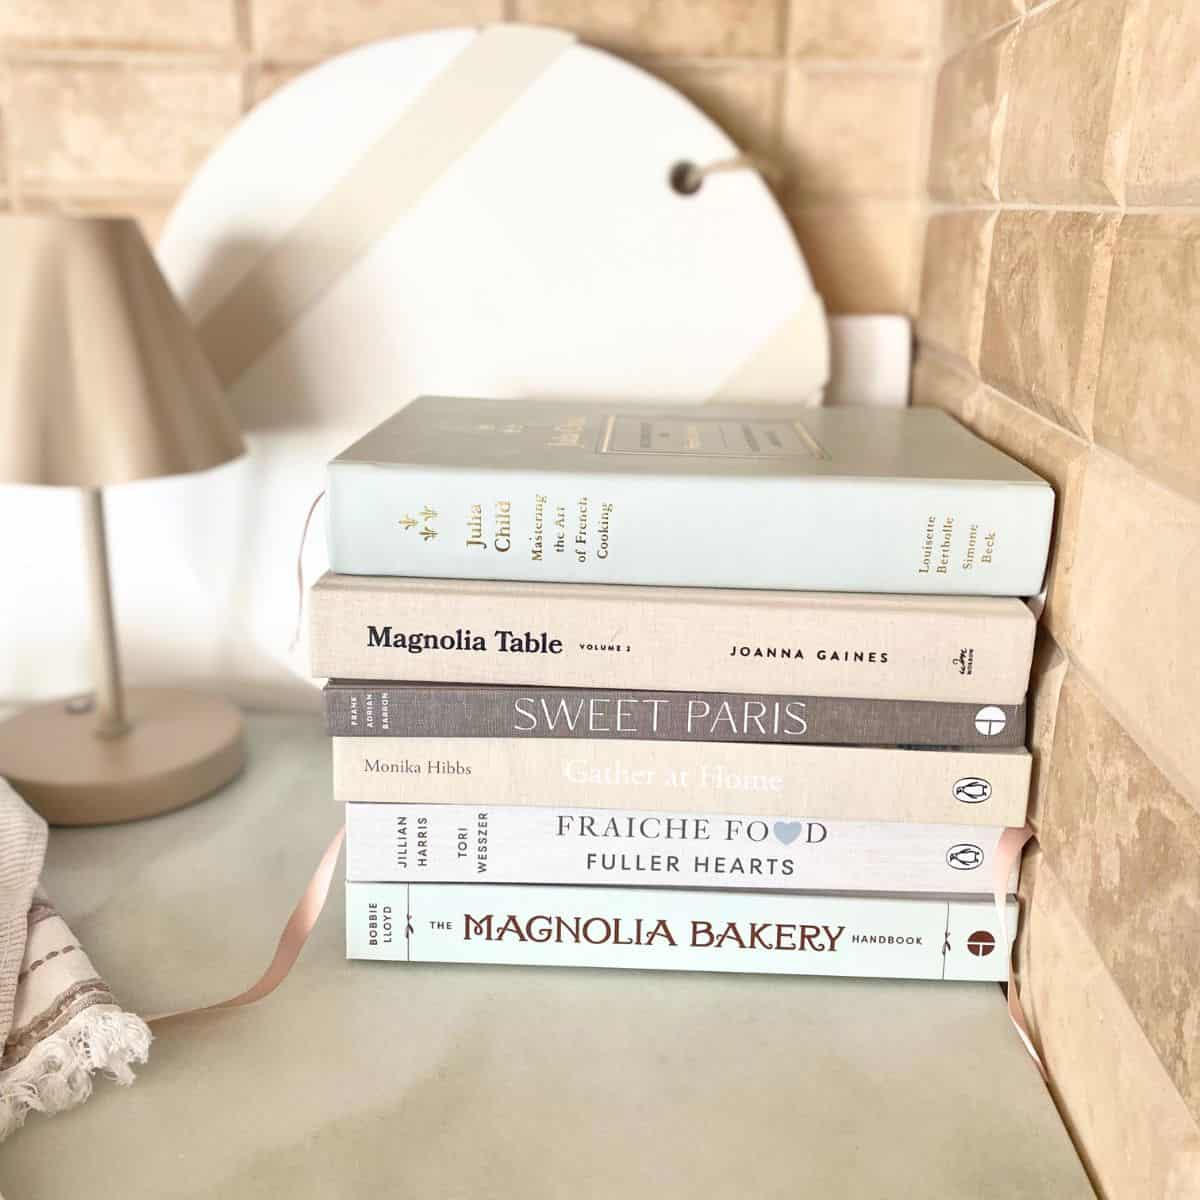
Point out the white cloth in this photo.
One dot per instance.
(59, 1023)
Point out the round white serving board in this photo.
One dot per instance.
(552, 259)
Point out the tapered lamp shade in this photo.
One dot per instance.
(102, 381)
(101, 377)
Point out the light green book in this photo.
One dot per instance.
(840, 499)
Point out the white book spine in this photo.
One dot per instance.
(846, 783)
(781, 933)
(910, 535)
(450, 843)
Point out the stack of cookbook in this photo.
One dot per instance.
(693, 688)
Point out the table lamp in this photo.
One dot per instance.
(102, 381)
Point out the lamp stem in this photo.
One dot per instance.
(110, 699)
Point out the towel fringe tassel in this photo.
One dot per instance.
(58, 1072)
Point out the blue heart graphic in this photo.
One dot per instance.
(788, 831)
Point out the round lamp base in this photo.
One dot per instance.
(180, 746)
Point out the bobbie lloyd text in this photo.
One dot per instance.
(508, 641)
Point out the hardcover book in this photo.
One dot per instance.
(782, 933)
(449, 843)
(837, 499)
(846, 783)
(359, 708)
(960, 649)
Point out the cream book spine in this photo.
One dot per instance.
(954, 649)
(452, 843)
(679, 929)
(847, 783)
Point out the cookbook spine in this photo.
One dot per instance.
(848, 783)
(450, 843)
(363, 709)
(867, 533)
(782, 933)
(963, 650)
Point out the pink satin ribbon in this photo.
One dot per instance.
(291, 941)
(1008, 854)
(312, 903)
(312, 508)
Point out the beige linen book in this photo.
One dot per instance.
(966, 649)
(846, 783)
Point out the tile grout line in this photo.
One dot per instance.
(9, 125)
(951, 360)
(783, 28)
(1083, 917)
(243, 23)
(986, 36)
(124, 56)
(1025, 987)
(1133, 729)
(1168, 491)
(1037, 417)
(943, 208)
(1004, 26)
(781, 101)
(934, 36)
(244, 47)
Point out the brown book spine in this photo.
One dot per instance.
(360, 708)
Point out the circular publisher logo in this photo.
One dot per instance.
(965, 856)
(981, 943)
(990, 720)
(972, 790)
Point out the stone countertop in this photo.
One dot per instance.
(457, 1081)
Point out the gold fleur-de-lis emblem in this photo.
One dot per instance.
(421, 523)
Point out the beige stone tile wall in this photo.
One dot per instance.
(109, 105)
(1060, 317)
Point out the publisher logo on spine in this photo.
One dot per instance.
(990, 720)
(981, 943)
(972, 790)
(964, 660)
(965, 856)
